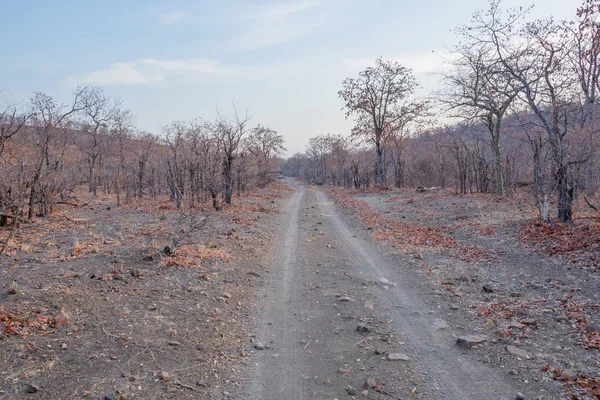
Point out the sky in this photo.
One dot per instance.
(282, 61)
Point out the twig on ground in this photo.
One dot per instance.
(110, 334)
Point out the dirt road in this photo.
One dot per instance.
(338, 306)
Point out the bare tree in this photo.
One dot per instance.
(538, 60)
(265, 144)
(49, 118)
(175, 134)
(479, 88)
(230, 134)
(378, 98)
(98, 115)
(11, 122)
(585, 33)
(121, 132)
(147, 142)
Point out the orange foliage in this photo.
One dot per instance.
(191, 257)
(579, 241)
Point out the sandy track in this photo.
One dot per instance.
(313, 347)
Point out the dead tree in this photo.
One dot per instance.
(230, 134)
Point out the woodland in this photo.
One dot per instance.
(516, 108)
(155, 265)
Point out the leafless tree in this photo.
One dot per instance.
(479, 88)
(175, 135)
(50, 119)
(537, 57)
(97, 116)
(265, 144)
(121, 132)
(230, 133)
(11, 122)
(378, 98)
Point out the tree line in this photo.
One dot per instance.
(522, 94)
(47, 149)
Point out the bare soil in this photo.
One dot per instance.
(297, 293)
(547, 307)
(91, 308)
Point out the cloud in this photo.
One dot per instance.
(174, 17)
(152, 71)
(279, 11)
(280, 23)
(200, 65)
(119, 74)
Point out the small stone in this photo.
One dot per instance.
(567, 374)
(364, 328)
(519, 396)
(561, 318)
(337, 330)
(370, 304)
(515, 325)
(351, 391)
(64, 346)
(487, 289)
(13, 290)
(515, 351)
(165, 376)
(513, 372)
(398, 357)
(32, 388)
(345, 299)
(226, 295)
(259, 346)
(365, 392)
(60, 320)
(173, 343)
(439, 324)
(136, 273)
(371, 383)
(454, 307)
(386, 282)
(379, 352)
(469, 341)
(201, 383)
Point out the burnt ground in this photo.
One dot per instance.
(90, 307)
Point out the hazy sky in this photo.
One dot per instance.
(282, 60)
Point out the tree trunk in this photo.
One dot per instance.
(379, 160)
(565, 194)
(228, 179)
(494, 126)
